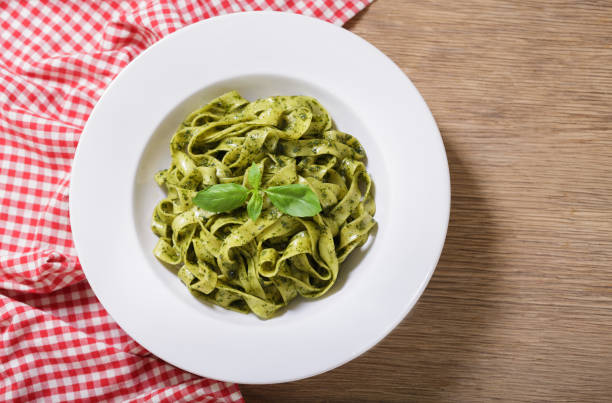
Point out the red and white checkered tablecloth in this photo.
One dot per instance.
(56, 57)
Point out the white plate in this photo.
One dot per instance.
(126, 140)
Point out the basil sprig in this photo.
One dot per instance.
(220, 198)
(254, 206)
(296, 200)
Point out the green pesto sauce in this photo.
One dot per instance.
(259, 267)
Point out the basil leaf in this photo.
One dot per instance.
(296, 200)
(221, 198)
(254, 176)
(254, 206)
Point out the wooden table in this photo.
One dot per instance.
(520, 306)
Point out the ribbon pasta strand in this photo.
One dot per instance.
(259, 267)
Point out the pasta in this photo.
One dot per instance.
(260, 266)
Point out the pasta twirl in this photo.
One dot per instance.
(259, 266)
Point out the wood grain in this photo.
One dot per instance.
(520, 306)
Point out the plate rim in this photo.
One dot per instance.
(436, 254)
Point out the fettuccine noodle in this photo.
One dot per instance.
(226, 258)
